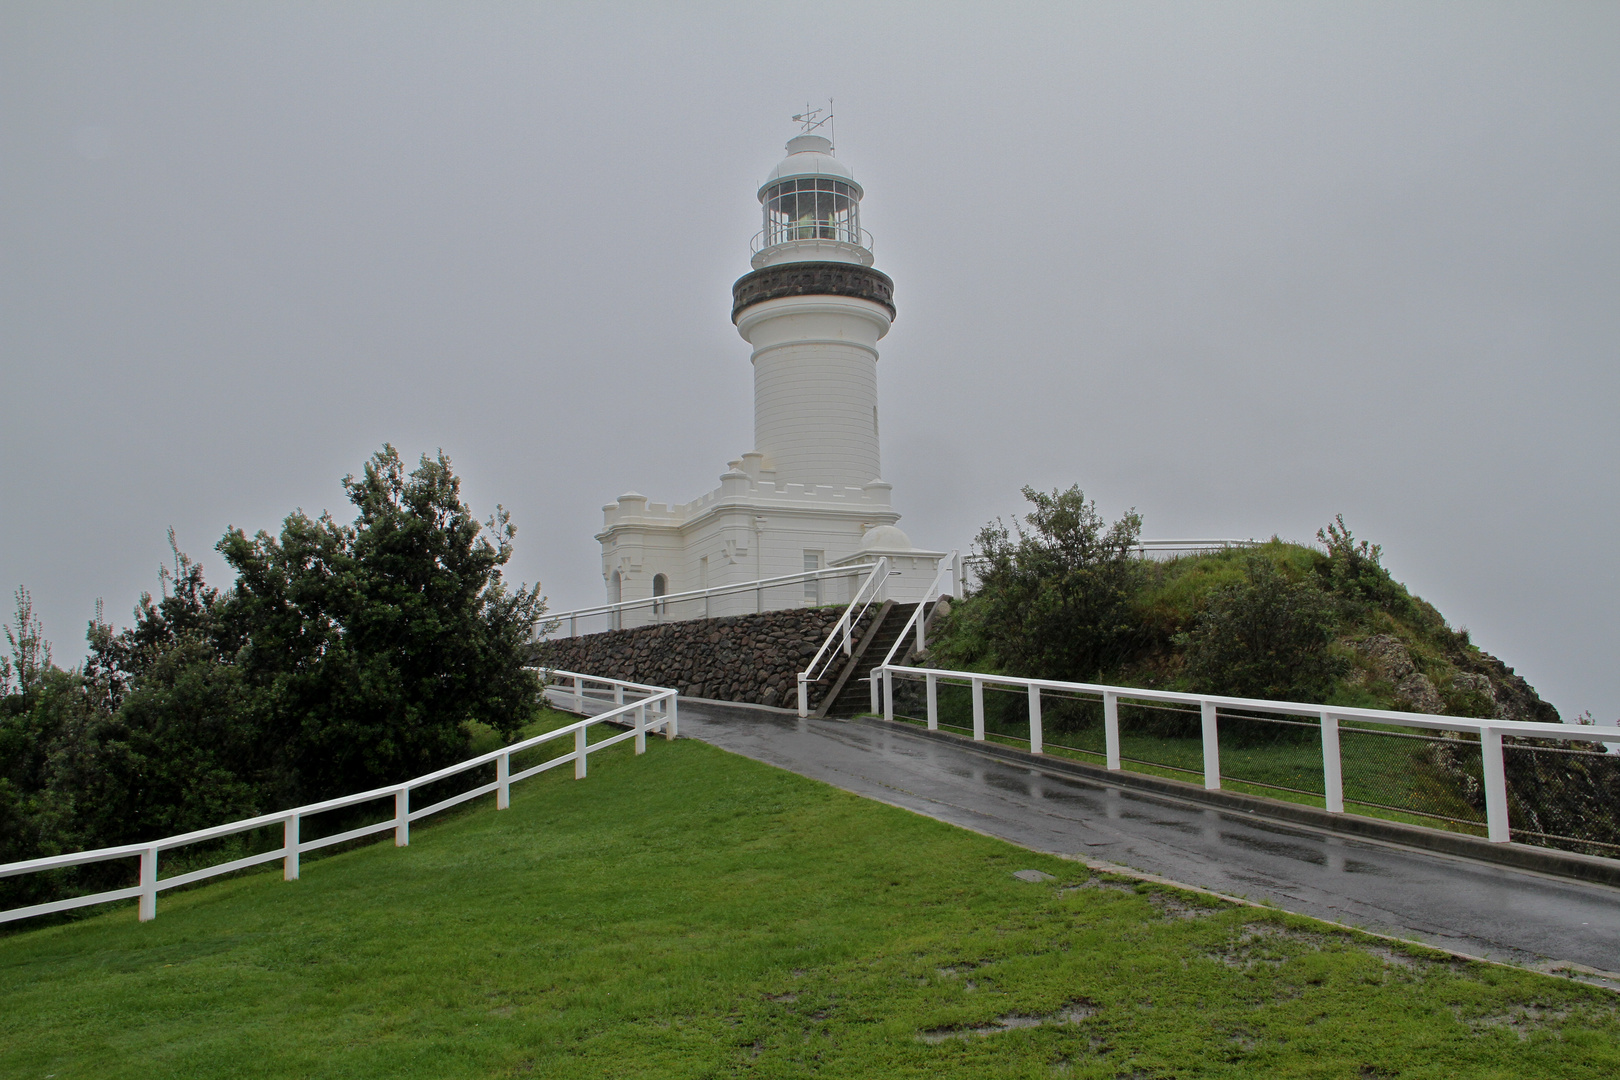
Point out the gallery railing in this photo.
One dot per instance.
(641, 707)
(1554, 785)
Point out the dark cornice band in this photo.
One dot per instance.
(812, 279)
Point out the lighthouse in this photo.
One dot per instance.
(814, 310)
(810, 494)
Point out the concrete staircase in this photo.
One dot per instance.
(851, 692)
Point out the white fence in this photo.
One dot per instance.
(1490, 732)
(812, 588)
(644, 708)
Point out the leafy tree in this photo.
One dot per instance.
(1054, 599)
(371, 646)
(1263, 637)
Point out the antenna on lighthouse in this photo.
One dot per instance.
(811, 119)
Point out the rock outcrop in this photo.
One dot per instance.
(1470, 683)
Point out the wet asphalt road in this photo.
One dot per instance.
(1470, 907)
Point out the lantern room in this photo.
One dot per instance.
(812, 209)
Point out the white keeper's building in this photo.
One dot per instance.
(810, 494)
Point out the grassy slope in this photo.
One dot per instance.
(1178, 590)
(1174, 592)
(695, 914)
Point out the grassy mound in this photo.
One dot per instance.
(1391, 650)
(1381, 647)
(695, 914)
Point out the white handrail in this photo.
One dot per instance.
(654, 707)
(620, 607)
(844, 628)
(935, 588)
(1490, 731)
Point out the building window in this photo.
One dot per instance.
(660, 588)
(812, 586)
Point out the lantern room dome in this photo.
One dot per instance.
(809, 156)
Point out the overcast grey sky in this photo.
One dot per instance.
(1241, 266)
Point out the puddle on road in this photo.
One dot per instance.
(1281, 850)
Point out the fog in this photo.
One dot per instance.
(1239, 266)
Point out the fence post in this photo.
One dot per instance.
(503, 790)
(1212, 747)
(922, 642)
(1496, 804)
(148, 903)
(671, 705)
(1111, 729)
(1036, 743)
(579, 754)
(933, 701)
(641, 728)
(804, 694)
(877, 706)
(579, 695)
(402, 817)
(888, 694)
(759, 600)
(978, 710)
(1332, 765)
(618, 693)
(290, 828)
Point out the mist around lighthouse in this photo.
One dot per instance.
(524, 561)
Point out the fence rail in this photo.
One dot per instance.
(699, 603)
(1473, 755)
(642, 707)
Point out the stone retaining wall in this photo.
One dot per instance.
(749, 658)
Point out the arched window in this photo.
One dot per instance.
(660, 588)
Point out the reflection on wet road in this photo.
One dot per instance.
(1472, 907)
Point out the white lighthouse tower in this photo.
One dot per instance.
(810, 494)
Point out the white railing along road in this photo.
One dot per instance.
(644, 708)
(1490, 732)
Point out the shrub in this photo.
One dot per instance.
(1263, 637)
(1056, 601)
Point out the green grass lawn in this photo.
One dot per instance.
(695, 914)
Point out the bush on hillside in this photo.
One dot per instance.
(372, 646)
(345, 657)
(1055, 599)
(1263, 637)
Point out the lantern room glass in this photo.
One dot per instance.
(812, 208)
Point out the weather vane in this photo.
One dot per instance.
(811, 119)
